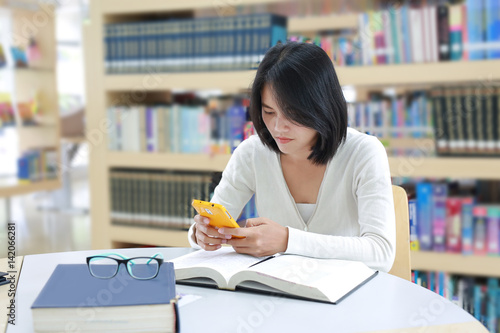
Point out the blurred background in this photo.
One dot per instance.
(115, 114)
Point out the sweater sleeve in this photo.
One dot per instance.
(237, 184)
(372, 189)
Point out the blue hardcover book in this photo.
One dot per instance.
(72, 295)
(491, 306)
(492, 13)
(431, 280)
(108, 34)
(424, 215)
(475, 30)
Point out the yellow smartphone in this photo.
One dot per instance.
(217, 214)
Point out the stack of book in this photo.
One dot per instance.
(201, 44)
(74, 300)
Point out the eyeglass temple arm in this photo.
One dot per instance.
(158, 254)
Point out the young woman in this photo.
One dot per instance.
(322, 189)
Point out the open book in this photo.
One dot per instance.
(326, 280)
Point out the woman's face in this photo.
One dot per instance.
(292, 139)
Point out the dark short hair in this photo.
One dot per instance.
(307, 90)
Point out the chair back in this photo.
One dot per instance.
(401, 266)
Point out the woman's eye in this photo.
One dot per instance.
(268, 112)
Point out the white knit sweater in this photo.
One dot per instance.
(354, 217)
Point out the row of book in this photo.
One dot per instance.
(428, 33)
(36, 165)
(403, 116)
(178, 128)
(440, 222)
(162, 199)
(466, 120)
(200, 44)
(478, 296)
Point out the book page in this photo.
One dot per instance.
(308, 277)
(225, 261)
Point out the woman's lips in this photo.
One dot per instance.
(283, 140)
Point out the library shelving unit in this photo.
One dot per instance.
(102, 89)
(40, 77)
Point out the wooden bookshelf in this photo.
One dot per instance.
(456, 263)
(101, 86)
(40, 79)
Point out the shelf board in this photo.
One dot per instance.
(445, 167)
(381, 75)
(113, 7)
(12, 187)
(151, 236)
(230, 81)
(74, 139)
(321, 23)
(456, 263)
(195, 162)
(479, 72)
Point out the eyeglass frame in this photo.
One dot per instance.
(124, 260)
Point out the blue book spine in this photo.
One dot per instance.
(477, 302)
(491, 306)
(424, 215)
(185, 130)
(475, 30)
(492, 12)
(467, 227)
(441, 283)
(236, 118)
(406, 34)
(412, 209)
(431, 281)
(108, 30)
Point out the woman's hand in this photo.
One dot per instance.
(263, 237)
(207, 236)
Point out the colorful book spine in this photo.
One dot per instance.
(456, 23)
(475, 30)
(493, 230)
(412, 210)
(453, 224)
(480, 214)
(424, 215)
(467, 226)
(439, 194)
(492, 25)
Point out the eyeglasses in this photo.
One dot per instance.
(142, 268)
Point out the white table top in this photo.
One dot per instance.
(385, 303)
